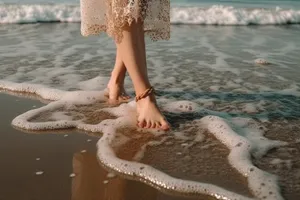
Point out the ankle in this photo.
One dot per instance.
(148, 99)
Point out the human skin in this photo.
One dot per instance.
(131, 56)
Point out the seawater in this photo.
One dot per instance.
(182, 12)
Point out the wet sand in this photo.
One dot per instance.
(60, 154)
(20, 150)
(65, 153)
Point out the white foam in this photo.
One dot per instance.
(96, 83)
(239, 158)
(40, 90)
(262, 61)
(63, 99)
(38, 173)
(249, 141)
(228, 15)
(111, 175)
(39, 13)
(214, 15)
(250, 108)
(23, 121)
(149, 174)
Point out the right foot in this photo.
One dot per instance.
(149, 115)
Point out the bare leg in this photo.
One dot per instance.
(116, 82)
(133, 55)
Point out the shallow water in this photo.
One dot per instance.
(202, 70)
(206, 61)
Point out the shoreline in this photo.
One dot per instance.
(57, 155)
(72, 145)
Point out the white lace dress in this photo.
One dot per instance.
(111, 16)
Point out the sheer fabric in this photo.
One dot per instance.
(111, 16)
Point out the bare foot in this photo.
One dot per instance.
(149, 115)
(116, 92)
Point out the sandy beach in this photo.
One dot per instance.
(25, 154)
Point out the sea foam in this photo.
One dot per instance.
(214, 15)
(242, 142)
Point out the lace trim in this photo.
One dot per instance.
(111, 16)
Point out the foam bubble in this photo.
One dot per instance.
(111, 175)
(262, 61)
(250, 108)
(181, 107)
(254, 133)
(38, 173)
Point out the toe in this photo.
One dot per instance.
(149, 124)
(122, 99)
(165, 125)
(141, 124)
(157, 125)
(153, 125)
(125, 97)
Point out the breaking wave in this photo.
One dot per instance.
(214, 15)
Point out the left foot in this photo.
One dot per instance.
(116, 92)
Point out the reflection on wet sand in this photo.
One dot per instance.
(92, 181)
(89, 183)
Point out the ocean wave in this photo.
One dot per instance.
(228, 15)
(214, 15)
(39, 13)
